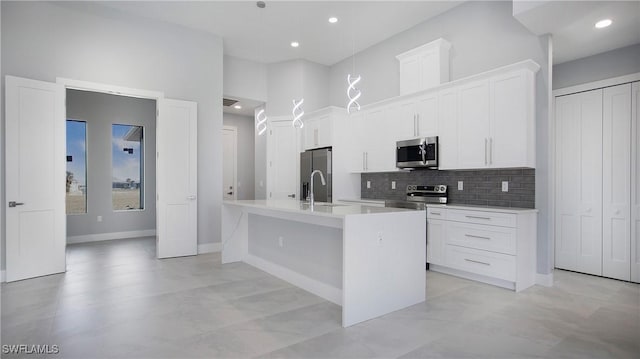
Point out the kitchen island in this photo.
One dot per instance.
(370, 260)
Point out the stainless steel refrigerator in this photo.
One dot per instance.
(318, 159)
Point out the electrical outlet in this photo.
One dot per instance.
(393, 184)
(505, 186)
(280, 242)
(368, 184)
(99, 219)
(460, 186)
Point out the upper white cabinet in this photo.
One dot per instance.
(318, 127)
(494, 121)
(424, 67)
(483, 121)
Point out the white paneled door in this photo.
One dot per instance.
(177, 201)
(35, 178)
(229, 162)
(578, 222)
(616, 182)
(635, 183)
(283, 159)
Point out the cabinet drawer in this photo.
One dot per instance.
(479, 217)
(496, 265)
(478, 236)
(436, 213)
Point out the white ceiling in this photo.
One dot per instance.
(264, 35)
(248, 106)
(572, 25)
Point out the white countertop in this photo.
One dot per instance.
(471, 207)
(320, 208)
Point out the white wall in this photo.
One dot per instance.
(84, 41)
(244, 78)
(484, 36)
(602, 66)
(100, 111)
(245, 162)
(294, 79)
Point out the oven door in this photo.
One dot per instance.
(417, 153)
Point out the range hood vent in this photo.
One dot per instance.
(228, 102)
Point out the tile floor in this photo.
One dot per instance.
(117, 301)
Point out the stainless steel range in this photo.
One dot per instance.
(419, 196)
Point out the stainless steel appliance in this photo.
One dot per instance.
(417, 153)
(318, 159)
(419, 196)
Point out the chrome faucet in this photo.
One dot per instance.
(311, 201)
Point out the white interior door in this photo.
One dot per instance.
(578, 229)
(229, 162)
(35, 178)
(177, 201)
(635, 183)
(283, 160)
(616, 182)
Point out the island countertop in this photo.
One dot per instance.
(334, 210)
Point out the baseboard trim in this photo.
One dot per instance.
(110, 236)
(545, 280)
(473, 276)
(314, 286)
(209, 248)
(3, 277)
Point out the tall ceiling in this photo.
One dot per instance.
(264, 35)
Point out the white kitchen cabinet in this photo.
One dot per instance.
(424, 67)
(473, 129)
(448, 129)
(492, 246)
(415, 117)
(435, 241)
(380, 141)
(427, 115)
(319, 127)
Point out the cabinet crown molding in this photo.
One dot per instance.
(431, 46)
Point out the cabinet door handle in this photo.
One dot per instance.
(478, 262)
(364, 160)
(417, 124)
(485, 151)
(474, 236)
(490, 150)
(315, 136)
(415, 133)
(477, 217)
(436, 213)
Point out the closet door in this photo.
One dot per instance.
(578, 228)
(635, 183)
(616, 182)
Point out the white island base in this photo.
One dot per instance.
(369, 260)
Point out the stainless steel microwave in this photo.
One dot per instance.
(417, 153)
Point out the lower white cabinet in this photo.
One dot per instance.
(495, 246)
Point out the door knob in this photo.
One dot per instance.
(14, 204)
(191, 198)
(229, 193)
(293, 195)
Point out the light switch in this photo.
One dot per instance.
(368, 184)
(460, 186)
(393, 184)
(505, 186)
(99, 219)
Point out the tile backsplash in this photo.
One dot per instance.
(480, 187)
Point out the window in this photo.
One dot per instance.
(76, 191)
(127, 153)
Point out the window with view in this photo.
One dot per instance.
(127, 185)
(76, 188)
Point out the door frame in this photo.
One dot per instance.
(551, 178)
(234, 129)
(71, 84)
(269, 154)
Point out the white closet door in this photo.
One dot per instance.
(635, 183)
(578, 229)
(616, 182)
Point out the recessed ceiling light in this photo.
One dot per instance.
(295, 44)
(237, 107)
(603, 23)
(333, 19)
